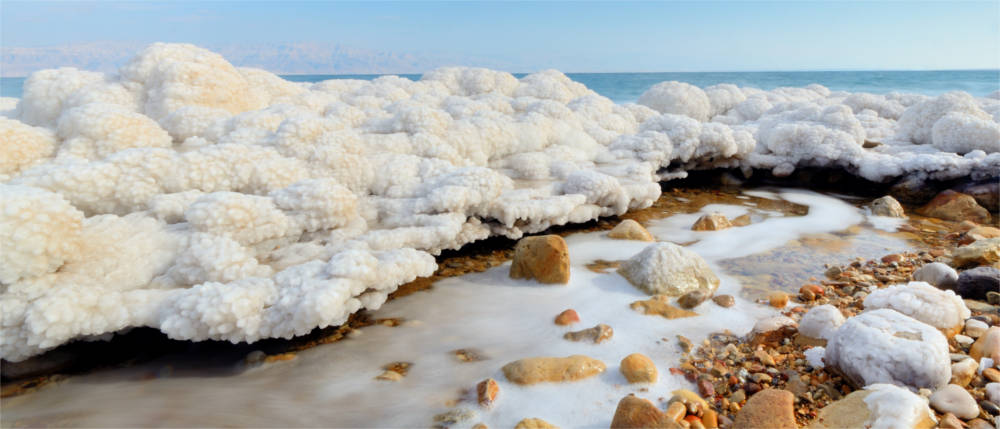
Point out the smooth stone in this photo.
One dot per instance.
(634, 412)
(659, 305)
(534, 423)
(711, 222)
(596, 335)
(993, 392)
(637, 368)
(955, 206)
(962, 372)
(949, 421)
(982, 252)
(769, 408)
(777, 299)
(940, 275)
(987, 346)
(963, 340)
(887, 206)
(724, 301)
(986, 193)
(669, 269)
(980, 424)
(487, 391)
(552, 369)
(692, 299)
(975, 328)
(977, 282)
(629, 229)
(956, 400)
(544, 258)
(567, 317)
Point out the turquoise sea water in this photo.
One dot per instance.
(625, 87)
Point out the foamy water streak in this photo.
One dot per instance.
(265, 208)
(500, 318)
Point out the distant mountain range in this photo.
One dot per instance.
(281, 58)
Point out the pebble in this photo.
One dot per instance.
(887, 206)
(567, 317)
(725, 301)
(552, 369)
(534, 423)
(993, 392)
(597, 334)
(711, 222)
(991, 374)
(770, 408)
(777, 299)
(692, 299)
(980, 424)
(810, 292)
(637, 368)
(990, 408)
(949, 421)
(956, 400)
(763, 357)
(963, 372)
(937, 274)
(988, 345)
(978, 282)
(963, 340)
(544, 258)
(487, 391)
(635, 412)
(706, 389)
(993, 298)
(676, 411)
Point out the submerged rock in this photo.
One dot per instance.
(977, 282)
(637, 368)
(885, 346)
(669, 269)
(552, 369)
(887, 206)
(634, 412)
(692, 299)
(567, 317)
(534, 423)
(769, 408)
(982, 252)
(937, 274)
(951, 205)
(659, 305)
(544, 258)
(629, 229)
(956, 400)
(487, 391)
(725, 301)
(711, 222)
(596, 335)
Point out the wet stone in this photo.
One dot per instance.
(567, 317)
(692, 299)
(725, 301)
(596, 335)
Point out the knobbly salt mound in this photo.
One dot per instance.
(216, 202)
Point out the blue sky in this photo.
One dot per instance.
(570, 36)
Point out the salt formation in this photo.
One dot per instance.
(821, 322)
(216, 202)
(938, 308)
(668, 269)
(895, 407)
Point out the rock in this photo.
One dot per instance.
(975, 328)
(956, 400)
(390, 375)
(885, 346)
(988, 345)
(676, 411)
(809, 292)
(637, 368)
(659, 305)
(692, 299)
(987, 193)
(769, 408)
(487, 391)
(977, 282)
(711, 222)
(993, 392)
(552, 369)
(887, 206)
(912, 189)
(833, 273)
(57, 360)
(937, 274)
(544, 258)
(979, 233)
(725, 301)
(741, 220)
(991, 374)
(954, 206)
(772, 330)
(941, 309)
(878, 406)
(453, 418)
(821, 322)
(706, 389)
(980, 424)
(982, 252)
(763, 357)
(962, 372)
(993, 298)
(688, 397)
(710, 419)
(949, 421)
(777, 299)
(567, 317)
(669, 269)
(596, 335)
(534, 423)
(989, 407)
(963, 340)
(636, 413)
(629, 229)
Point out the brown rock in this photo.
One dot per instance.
(887, 206)
(487, 391)
(637, 368)
(710, 419)
(980, 252)
(711, 222)
(534, 423)
(769, 408)
(629, 229)
(660, 305)
(777, 299)
(741, 220)
(979, 233)
(567, 317)
(951, 205)
(552, 369)
(706, 389)
(772, 331)
(544, 258)
(635, 413)
(949, 421)
(597, 334)
(692, 299)
(991, 374)
(676, 411)
(724, 300)
(810, 292)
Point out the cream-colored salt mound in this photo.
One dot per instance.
(669, 269)
(941, 309)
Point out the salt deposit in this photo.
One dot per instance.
(265, 208)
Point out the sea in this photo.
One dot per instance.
(627, 87)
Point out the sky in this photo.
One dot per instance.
(569, 36)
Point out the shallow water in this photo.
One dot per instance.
(500, 318)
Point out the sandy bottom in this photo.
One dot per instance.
(496, 319)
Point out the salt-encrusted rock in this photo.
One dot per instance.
(821, 322)
(634, 412)
(552, 369)
(993, 392)
(879, 406)
(669, 269)
(987, 346)
(769, 408)
(596, 335)
(977, 282)
(885, 346)
(941, 309)
(544, 258)
(567, 317)
(629, 229)
(487, 391)
(937, 274)
(772, 330)
(534, 423)
(887, 206)
(956, 400)
(692, 299)
(711, 222)
(982, 252)
(951, 205)
(975, 328)
(637, 368)
(963, 371)
(659, 305)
